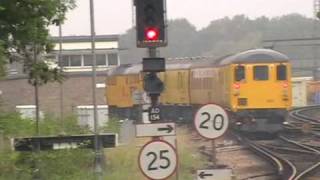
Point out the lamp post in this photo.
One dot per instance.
(97, 147)
(61, 71)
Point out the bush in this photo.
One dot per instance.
(113, 126)
(54, 165)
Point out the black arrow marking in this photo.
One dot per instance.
(169, 129)
(203, 175)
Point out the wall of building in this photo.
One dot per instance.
(77, 91)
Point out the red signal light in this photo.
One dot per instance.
(285, 85)
(236, 85)
(152, 34)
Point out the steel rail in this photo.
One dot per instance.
(283, 166)
(299, 144)
(286, 168)
(297, 114)
(309, 170)
(306, 172)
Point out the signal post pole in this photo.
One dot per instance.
(151, 33)
(154, 98)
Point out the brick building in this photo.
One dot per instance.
(77, 87)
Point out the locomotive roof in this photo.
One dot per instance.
(255, 56)
(137, 68)
(250, 56)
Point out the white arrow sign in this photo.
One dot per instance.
(211, 121)
(155, 129)
(214, 174)
(157, 160)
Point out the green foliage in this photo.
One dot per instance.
(122, 163)
(52, 126)
(54, 165)
(3, 62)
(40, 73)
(77, 164)
(73, 164)
(113, 126)
(13, 125)
(189, 158)
(24, 32)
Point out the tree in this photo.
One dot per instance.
(2, 60)
(25, 34)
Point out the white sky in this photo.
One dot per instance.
(115, 16)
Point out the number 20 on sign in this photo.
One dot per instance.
(158, 160)
(211, 121)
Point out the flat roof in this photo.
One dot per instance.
(85, 38)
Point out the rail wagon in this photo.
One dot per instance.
(253, 86)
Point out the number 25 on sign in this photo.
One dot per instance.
(158, 160)
(211, 121)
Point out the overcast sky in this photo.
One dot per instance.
(115, 16)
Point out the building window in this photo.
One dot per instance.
(64, 61)
(87, 60)
(75, 60)
(113, 59)
(101, 60)
(261, 73)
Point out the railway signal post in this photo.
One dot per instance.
(151, 33)
(158, 158)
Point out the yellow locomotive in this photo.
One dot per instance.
(254, 86)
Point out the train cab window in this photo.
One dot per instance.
(261, 73)
(240, 73)
(281, 72)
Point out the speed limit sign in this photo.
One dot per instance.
(158, 160)
(211, 121)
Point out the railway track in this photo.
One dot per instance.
(294, 155)
(306, 114)
(305, 119)
(290, 159)
(291, 156)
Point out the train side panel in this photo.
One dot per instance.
(210, 85)
(112, 92)
(176, 87)
(201, 85)
(223, 81)
(135, 86)
(120, 90)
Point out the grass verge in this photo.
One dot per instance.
(122, 162)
